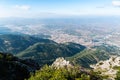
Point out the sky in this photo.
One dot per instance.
(57, 8)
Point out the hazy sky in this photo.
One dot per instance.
(53, 8)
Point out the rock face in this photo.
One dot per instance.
(108, 67)
(60, 63)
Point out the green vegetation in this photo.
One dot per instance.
(74, 73)
(16, 43)
(51, 50)
(118, 72)
(45, 53)
(101, 63)
(118, 75)
(87, 57)
(113, 50)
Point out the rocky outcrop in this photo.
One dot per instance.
(60, 63)
(107, 68)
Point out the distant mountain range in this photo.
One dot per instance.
(48, 52)
(34, 52)
(45, 51)
(17, 43)
(42, 50)
(88, 57)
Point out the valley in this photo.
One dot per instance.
(59, 39)
(81, 44)
(85, 32)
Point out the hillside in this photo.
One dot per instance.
(13, 68)
(89, 56)
(112, 49)
(47, 52)
(94, 55)
(17, 43)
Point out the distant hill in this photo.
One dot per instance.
(113, 50)
(47, 52)
(43, 51)
(89, 56)
(92, 56)
(17, 43)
